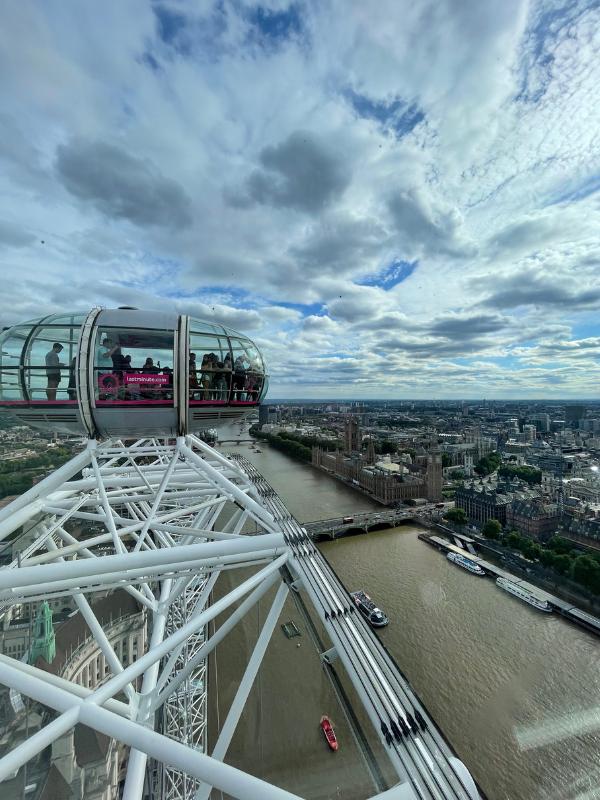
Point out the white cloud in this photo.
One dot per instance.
(160, 155)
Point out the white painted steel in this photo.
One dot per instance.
(239, 701)
(161, 520)
(229, 779)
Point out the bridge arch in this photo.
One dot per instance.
(382, 525)
(353, 530)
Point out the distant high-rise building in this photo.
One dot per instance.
(541, 421)
(263, 415)
(352, 436)
(573, 414)
(530, 432)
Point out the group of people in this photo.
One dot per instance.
(213, 379)
(122, 366)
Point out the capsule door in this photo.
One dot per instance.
(133, 374)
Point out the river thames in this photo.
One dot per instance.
(515, 691)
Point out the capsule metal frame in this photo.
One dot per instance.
(105, 397)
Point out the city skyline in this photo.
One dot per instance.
(396, 201)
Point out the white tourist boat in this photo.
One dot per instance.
(523, 594)
(465, 563)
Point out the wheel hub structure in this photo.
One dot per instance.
(158, 521)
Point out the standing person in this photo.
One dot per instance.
(193, 376)
(220, 383)
(53, 366)
(206, 377)
(72, 385)
(167, 388)
(239, 377)
(113, 351)
(149, 366)
(132, 389)
(148, 391)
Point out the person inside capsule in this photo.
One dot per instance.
(53, 367)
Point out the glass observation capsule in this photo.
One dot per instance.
(128, 373)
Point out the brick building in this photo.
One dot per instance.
(532, 517)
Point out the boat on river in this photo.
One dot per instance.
(374, 616)
(465, 563)
(329, 733)
(523, 594)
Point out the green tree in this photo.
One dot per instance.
(560, 545)
(513, 540)
(586, 571)
(492, 529)
(527, 547)
(561, 564)
(385, 447)
(529, 474)
(488, 464)
(446, 460)
(536, 551)
(546, 557)
(456, 515)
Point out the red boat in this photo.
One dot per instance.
(327, 729)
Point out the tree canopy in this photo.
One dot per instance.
(456, 515)
(492, 529)
(524, 473)
(488, 464)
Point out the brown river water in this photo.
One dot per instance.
(515, 691)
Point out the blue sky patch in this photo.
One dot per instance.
(540, 40)
(390, 276)
(170, 24)
(396, 115)
(590, 186)
(306, 309)
(274, 27)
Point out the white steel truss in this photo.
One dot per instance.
(161, 521)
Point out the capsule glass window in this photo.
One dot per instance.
(133, 366)
(49, 363)
(12, 343)
(248, 372)
(210, 369)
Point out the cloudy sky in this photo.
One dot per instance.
(393, 198)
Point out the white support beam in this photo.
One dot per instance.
(241, 696)
(28, 504)
(230, 488)
(130, 578)
(229, 779)
(210, 644)
(122, 563)
(138, 667)
(199, 607)
(157, 499)
(82, 692)
(34, 745)
(134, 780)
(97, 632)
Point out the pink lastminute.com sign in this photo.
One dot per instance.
(141, 378)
